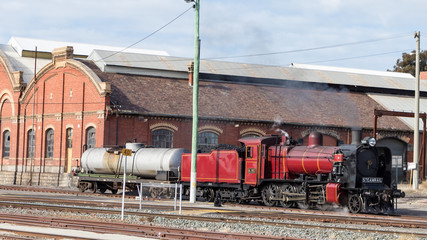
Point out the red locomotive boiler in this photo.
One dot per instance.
(275, 171)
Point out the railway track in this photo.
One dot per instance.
(406, 226)
(385, 221)
(8, 233)
(125, 229)
(259, 215)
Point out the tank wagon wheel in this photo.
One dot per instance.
(154, 192)
(158, 192)
(94, 187)
(355, 203)
(83, 186)
(102, 190)
(114, 191)
(268, 192)
(286, 188)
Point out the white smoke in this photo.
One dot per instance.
(283, 132)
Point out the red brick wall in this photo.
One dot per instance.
(8, 101)
(64, 97)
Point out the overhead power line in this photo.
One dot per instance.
(355, 57)
(401, 35)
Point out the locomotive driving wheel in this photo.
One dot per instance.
(355, 203)
(210, 195)
(269, 192)
(284, 189)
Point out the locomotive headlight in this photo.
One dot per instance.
(369, 141)
(372, 142)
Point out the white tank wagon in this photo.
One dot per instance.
(102, 166)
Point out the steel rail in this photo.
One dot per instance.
(388, 221)
(210, 219)
(126, 229)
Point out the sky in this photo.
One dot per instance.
(363, 34)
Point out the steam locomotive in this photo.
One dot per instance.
(273, 170)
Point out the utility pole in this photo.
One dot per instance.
(32, 124)
(193, 176)
(417, 112)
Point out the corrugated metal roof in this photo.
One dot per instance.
(300, 73)
(29, 44)
(402, 104)
(24, 64)
(14, 51)
(243, 102)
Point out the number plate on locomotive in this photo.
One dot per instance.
(372, 180)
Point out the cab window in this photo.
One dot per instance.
(249, 153)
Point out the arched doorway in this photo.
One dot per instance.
(398, 151)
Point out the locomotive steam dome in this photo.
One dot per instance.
(315, 139)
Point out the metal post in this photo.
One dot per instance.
(140, 197)
(124, 187)
(374, 131)
(417, 112)
(180, 199)
(176, 189)
(33, 125)
(397, 179)
(423, 151)
(193, 176)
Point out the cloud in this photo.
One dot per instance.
(228, 28)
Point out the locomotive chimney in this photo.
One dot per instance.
(356, 135)
(315, 139)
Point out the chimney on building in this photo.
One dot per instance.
(62, 54)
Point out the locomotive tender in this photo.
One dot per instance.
(271, 170)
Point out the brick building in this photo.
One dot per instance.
(110, 98)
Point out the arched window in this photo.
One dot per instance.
(90, 137)
(49, 143)
(206, 140)
(6, 144)
(252, 132)
(31, 143)
(162, 138)
(251, 136)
